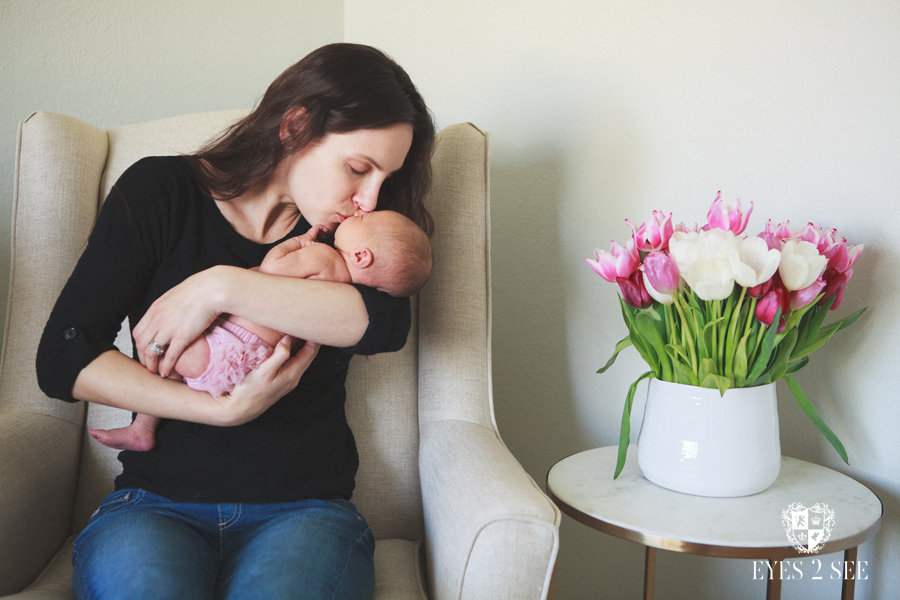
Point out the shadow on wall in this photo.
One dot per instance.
(532, 396)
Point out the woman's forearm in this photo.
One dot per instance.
(113, 379)
(325, 312)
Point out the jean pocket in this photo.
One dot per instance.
(347, 507)
(116, 500)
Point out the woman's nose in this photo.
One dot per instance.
(367, 197)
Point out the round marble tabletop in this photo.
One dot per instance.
(632, 508)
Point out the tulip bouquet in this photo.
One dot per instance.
(715, 308)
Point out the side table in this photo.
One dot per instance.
(750, 527)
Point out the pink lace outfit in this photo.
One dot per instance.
(233, 352)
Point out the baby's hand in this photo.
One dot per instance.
(311, 237)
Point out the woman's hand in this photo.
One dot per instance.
(177, 318)
(268, 383)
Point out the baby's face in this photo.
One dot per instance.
(362, 228)
(353, 230)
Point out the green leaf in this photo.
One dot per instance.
(813, 415)
(813, 322)
(714, 381)
(848, 321)
(826, 332)
(621, 345)
(707, 368)
(795, 316)
(765, 350)
(625, 430)
(684, 373)
(739, 368)
(648, 328)
(677, 352)
(629, 314)
(779, 366)
(795, 366)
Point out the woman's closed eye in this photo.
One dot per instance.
(358, 171)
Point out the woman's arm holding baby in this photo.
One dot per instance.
(113, 379)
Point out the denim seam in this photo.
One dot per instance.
(350, 548)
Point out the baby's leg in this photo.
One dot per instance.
(140, 436)
(193, 361)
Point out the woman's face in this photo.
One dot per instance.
(334, 177)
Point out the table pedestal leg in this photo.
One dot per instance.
(649, 572)
(848, 588)
(773, 589)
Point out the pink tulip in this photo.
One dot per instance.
(633, 290)
(777, 298)
(653, 234)
(661, 272)
(661, 277)
(835, 282)
(730, 218)
(684, 228)
(814, 234)
(779, 231)
(758, 291)
(806, 296)
(841, 259)
(618, 262)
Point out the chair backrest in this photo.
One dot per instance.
(66, 167)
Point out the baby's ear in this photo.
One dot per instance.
(362, 258)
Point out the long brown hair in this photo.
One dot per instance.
(343, 88)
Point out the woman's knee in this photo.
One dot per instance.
(133, 551)
(324, 550)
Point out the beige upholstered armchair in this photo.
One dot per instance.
(454, 514)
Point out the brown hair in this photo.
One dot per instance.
(343, 88)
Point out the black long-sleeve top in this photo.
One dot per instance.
(156, 228)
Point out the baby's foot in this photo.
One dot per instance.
(132, 437)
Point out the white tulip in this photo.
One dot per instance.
(758, 263)
(707, 261)
(801, 264)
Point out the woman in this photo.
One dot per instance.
(246, 495)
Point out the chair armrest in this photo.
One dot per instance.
(490, 531)
(38, 468)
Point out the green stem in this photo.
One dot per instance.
(687, 335)
(729, 354)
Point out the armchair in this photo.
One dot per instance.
(454, 514)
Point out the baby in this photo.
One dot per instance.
(383, 250)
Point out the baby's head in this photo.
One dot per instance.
(386, 251)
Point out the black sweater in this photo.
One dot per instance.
(156, 228)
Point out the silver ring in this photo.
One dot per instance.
(154, 347)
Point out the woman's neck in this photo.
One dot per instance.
(260, 215)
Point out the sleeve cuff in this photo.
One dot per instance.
(389, 322)
(61, 360)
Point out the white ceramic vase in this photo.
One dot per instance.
(696, 441)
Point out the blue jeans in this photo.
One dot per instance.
(142, 545)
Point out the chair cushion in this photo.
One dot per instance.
(399, 570)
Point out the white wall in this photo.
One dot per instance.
(607, 109)
(115, 63)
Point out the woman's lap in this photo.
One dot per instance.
(140, 545)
